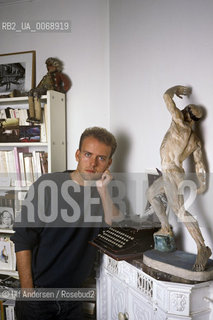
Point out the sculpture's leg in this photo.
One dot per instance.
(31, 107)
(155, 190)
(176, 202)
(203, 252)
(37, 104)
(203, 255)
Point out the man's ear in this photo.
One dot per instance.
(77, 155)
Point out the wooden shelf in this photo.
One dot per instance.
(18, 99)
(10, 273)
(23, 144)
(6, 231)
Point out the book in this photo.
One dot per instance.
(37, 162)
(2, 310)
(28, 165)
(7, 199)
(3, 114)
(12, 113)
(35, 166)
(44, 161)
(10, 313)
(16, 114)
(17, 167)
(43, 133)
(22, 169)
(4, 175)
(11, 167)
(23, 115)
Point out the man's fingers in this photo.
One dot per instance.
(107, 175)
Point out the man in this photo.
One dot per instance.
(56, 254)
(179, 142)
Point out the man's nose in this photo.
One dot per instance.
(93, 161)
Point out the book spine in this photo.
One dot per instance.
(28, 168)
(17, 166)
(22, 169)
(44, 162)
(2, 310)
(10, 166)
(4, 175)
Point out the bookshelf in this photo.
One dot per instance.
(53, 144)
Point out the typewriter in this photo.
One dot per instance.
(124, 243)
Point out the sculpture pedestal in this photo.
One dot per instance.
(175, 266)
(164, 243)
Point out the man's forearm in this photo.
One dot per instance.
(111, 212)
(24, 259)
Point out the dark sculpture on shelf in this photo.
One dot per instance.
(53, 80)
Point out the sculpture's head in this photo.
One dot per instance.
(54, 64)
(192, 113)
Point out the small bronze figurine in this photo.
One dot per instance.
(53, 80)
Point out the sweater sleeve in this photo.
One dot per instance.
(25, 238)
(27, 226)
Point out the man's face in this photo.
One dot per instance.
(93, 158)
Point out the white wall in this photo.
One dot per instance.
(153, 46)
(84, 52)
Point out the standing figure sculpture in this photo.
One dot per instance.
(179, 142)
(53, 80)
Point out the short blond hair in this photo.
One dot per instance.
(102, 135)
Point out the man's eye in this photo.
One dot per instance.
(101, 158)
(87, 154)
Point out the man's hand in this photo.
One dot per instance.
(111, 212)
(104, 181)
(179, 91)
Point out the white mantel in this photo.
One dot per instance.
(124, 289)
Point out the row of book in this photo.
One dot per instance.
(22, 114)
(7, 199)
(20, 168)
(7, 284)
(7, 312)
(15, 113)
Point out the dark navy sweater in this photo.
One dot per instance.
(58, 231)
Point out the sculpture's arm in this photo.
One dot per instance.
(200, 169)
(168, 98)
